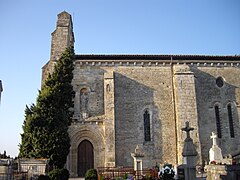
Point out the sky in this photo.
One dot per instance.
(197, 27)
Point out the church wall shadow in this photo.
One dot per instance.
(209, 93)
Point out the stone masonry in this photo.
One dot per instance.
(118, 96)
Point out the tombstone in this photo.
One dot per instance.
(224, 172)
(6, 168)
(137, 157)
(215, 153)
(189, 151)
(219, 167)
(188, 168)
(33, 167)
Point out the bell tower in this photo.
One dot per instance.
(62, 38)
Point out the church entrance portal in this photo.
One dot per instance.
(85, 157)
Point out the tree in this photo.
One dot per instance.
(45, 128)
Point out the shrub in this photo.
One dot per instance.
(102, 177)
(125, 176)
(59, 174)
(43, 177)
(91, 174)
(118, 178)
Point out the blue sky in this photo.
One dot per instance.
(102, 27)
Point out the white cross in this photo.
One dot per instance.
(214, 137)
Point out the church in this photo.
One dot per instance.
(122, 101)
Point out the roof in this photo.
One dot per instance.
(157, 57)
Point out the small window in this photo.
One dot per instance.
(147, 130)
(230, 118)
(219, 82)
(218, 122)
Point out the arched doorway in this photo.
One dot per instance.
(85, 157)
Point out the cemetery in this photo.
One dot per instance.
(219, 166)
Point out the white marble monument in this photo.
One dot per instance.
(215, 153)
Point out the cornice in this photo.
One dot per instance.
(157, 60)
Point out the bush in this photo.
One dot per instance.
(43, 177)
(59, 174)
(91, 174)
(118, 178)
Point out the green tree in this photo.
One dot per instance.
(26, 148)
(45, 128)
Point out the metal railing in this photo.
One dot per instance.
(126, 173)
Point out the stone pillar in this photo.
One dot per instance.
(186, 106)
(62, 38)
(109, 119)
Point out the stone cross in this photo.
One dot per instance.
(187, 128)
(214, 137)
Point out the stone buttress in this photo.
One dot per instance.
(109, 118)
(186, 107)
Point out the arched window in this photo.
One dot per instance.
(147, 129)
(230, 118)
(218, 122)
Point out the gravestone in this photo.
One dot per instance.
(6, 168)
(219, 167)
(215, 153)
(138, 160)
(189, 151)
(188, 168)
(33, 167)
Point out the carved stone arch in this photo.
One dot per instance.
(95, 137)
(215, 103)
(84, 89)
(232, 103)
(149, 108)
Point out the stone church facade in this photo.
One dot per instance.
(122, 101)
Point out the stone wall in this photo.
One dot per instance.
(114, 91)
(134, 89)
(137, 89)
(92, 80)
(208, 94)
